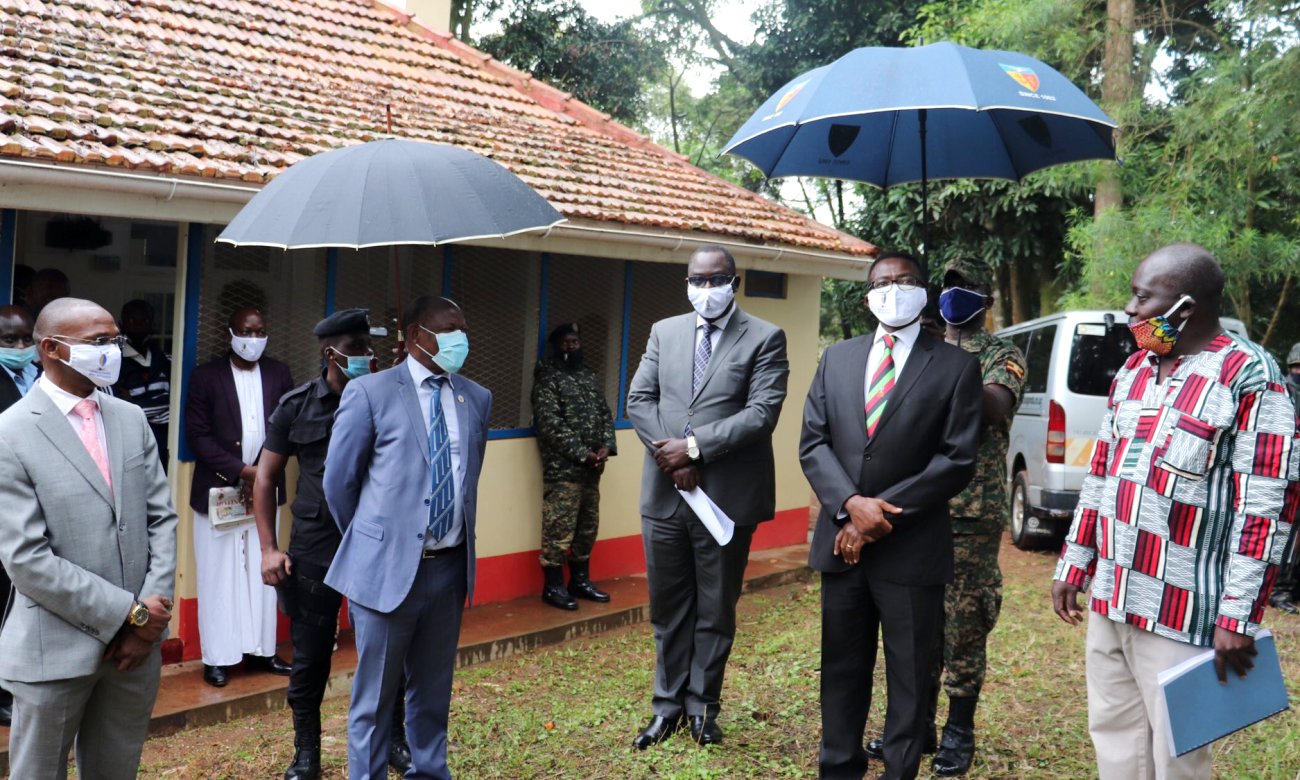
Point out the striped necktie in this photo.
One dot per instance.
(443, 490)
(881, 383)
(702, 355)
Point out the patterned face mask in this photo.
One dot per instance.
(1158, 334)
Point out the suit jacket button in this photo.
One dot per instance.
(121, 526)
(690, 413)
(866, 457)
(426, 502)
(419, 536)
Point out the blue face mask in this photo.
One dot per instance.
(17, 359)
(357, 365)
(959, 306)
(453, 348)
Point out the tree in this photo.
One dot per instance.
(604, 65)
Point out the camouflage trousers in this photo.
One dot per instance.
(970, 611)
(570, 520)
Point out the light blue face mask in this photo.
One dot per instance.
(17, 359)
(453, 348)
(357, 365)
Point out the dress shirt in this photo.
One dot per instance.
(450, 413)
(904, 339)
(24, 379)
(65, 401)
(716, 335)
(252, 417)
(1189, 496)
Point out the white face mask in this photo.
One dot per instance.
(249, 348)
(99, 364)
(895, 307)
(710, 302)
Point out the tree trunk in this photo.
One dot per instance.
(1281, 303)
(1016, 292)
(1117, 90)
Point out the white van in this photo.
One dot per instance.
(1071, 359)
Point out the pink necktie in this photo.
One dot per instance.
(90, 437)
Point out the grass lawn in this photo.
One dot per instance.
(572, 710)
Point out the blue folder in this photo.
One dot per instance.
(1202, 710)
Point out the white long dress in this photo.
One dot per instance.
(237, 612)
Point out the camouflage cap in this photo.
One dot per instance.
(1293, 356)
(974, 270)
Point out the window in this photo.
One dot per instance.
(764, 284)
(1097, 355)
(658, 291)
(1039, 359)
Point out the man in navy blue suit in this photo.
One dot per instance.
(401, 479)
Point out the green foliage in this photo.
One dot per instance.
(605, 65)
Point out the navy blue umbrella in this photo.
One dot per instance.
(892, 115)
(389, 192)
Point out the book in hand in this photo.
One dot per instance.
(227, 508)
(1202, 710)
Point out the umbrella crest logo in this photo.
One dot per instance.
(1025, 77)
(841, 137)
(787, 97)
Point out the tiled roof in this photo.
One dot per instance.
(241, 89)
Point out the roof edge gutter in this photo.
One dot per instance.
(676, 245)
(161, 186)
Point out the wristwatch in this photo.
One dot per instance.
(139, 615)
(692, 449)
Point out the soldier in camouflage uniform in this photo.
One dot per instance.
(973, 600)
(575, 432)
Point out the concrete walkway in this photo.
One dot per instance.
(488, 632)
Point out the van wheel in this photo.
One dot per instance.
(1019, 512)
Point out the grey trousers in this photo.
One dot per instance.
(106, 714)
(694, 587)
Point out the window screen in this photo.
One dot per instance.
(498, 291)
(589, 291)
(372, 279)
(658, 291)
(289, 287)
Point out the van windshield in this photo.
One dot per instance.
(1096, 356)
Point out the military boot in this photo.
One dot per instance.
(554, 593)
(957, 747)
(580, 583)
(306, 740)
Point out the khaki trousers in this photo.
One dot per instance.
(1126, 710)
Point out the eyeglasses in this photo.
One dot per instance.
(906, 283)
(102, 341)
(716, 280)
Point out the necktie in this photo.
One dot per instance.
(702, 354)
(879, 386)
(441, 507)
(90, 437)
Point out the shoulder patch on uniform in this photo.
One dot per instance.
(1014, 367)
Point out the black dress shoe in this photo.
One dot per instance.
(583, 589)
(265, 663)
(559, 596)
(956, 751)
(305, 766)
(215, 676)
(705, 730)
(876, 747)
(399, 756)
(657, 730)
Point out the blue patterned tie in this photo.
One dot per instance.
(702, 354)
(441, 507)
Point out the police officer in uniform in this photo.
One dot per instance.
(974, 598)
(1286, 593)
(575, 432)
(301, 426)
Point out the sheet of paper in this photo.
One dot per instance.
(713, 518)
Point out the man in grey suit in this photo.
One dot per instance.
(401, 479)
(88, 535)
(704, 401)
